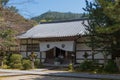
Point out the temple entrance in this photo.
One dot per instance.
(50, 56)
(60, 54)
(56, 53)
(60, 51)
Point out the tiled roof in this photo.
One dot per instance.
(59, 29)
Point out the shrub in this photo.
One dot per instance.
(111, 67)
(87, 66)
(16, 66)
(4, 67)
(15, 61)
(26, 64)
(37, 63)
(71, 67)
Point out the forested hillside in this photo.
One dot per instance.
(11, 24)
(15, 21)
(56, 16)
(11, 19)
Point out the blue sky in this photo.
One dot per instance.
(31, 8)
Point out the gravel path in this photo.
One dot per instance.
(37, 77)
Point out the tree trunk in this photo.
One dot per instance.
(32, 63)
(117, 60)
(105, 59)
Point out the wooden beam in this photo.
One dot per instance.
(75, 50)
(40, 56)
(27, 48)
(91, 50)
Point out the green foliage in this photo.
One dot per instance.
(56, 16)
(111, 8)
(37, 63)
(15, 61)
(71, 67)
(7, 38)
(4, 60)
(26, 64)
(111, 67)
(4, 67)
(87, 65)
(13, 9)
(3, 2)
(103, 25)
(16, 66)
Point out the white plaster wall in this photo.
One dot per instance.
(23, 54)
(23, 47)
(79, 61)
(101, 61)
(80, 55)
(38, 54)
(90, 55)
(29, 53)
(110, 57)
(43, 56)
(99, 55)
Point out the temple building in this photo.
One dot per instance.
(64, 39)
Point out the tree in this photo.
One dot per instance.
(6, 40)
(13, 9)
(15, 61)
(11, 24)
(103, 25)
(3, 2)
(32, 58)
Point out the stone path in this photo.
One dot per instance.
(43, 72)
(37, 77)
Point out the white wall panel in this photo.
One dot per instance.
(23, 47)
(23, 54)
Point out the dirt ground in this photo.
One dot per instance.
(37, 77)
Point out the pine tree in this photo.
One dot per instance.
(103, 25)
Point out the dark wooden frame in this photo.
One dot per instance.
(69, 38)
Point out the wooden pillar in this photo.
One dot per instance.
(75, 45)
(40, 55)
(27, 48)
(54, 51)
(92, 43)
(32, 45)
(66, 54)
(19, 48)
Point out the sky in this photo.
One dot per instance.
(32, 8)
